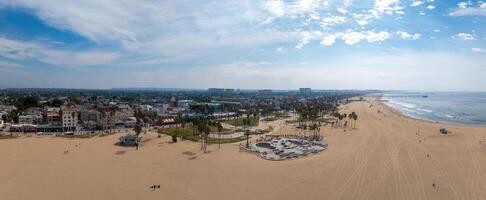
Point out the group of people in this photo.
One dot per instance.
(155, 187)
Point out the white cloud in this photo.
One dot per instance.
(464, 37)
(362, 19)
(342, 11)
(276, 7)
(158, 28)
(387, 6)
(307, 37)
(479, 50)
(329, 40)
(430, 7)
(279, 49)
(351, 38)
(329, 21)
(462, 4)
(416, 3)
(20, 50)
(407, 36)
(464, 10)
(377, 37)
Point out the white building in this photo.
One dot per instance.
(1, 121)
(69, 118)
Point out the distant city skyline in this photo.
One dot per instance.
(427, 45)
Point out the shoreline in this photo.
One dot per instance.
(402, 114)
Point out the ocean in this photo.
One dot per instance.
(452, 107)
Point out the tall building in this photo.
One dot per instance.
(69, 116)
(305, 90)
(265, 92)
(216, 90)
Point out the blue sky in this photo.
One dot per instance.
(327, 44)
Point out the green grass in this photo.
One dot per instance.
(277, 116)
(239, 122)
(227, 140)
(293, 121)
(188, 134)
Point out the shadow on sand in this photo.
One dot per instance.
(191, 155)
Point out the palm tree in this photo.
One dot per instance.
(350, 116)
(138, 129)
(206, 131)
(355, 117)
(220, 129)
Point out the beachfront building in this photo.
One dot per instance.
(1, 121)
(53, 115)
(111, 117)
(69, 118)
(30, 119)
(88, 117)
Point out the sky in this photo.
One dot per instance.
(433, 45)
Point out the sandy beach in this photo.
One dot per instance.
(384, 158)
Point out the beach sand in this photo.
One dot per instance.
(384, 158)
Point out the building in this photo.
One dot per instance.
(69, 118)
(30, 119)
(305, 90)
(184, 103)
(265, 92)
(53, 115)
(1, 121)
(216, 90)
(88, 118)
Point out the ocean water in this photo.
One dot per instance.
(453, 107)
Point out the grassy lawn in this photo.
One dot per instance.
(276, 116)
(239, 122)
(223, 141)
(188, 133)
(294, 121)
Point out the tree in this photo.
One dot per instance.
(56, 103)
(220, 129)
(138, 129)
(204, 129)
(246, 122)
(355, 117)
(350, 116)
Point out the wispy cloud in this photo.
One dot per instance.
(21, 50)
(465, 9)
(464, 37)
(479, 50)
